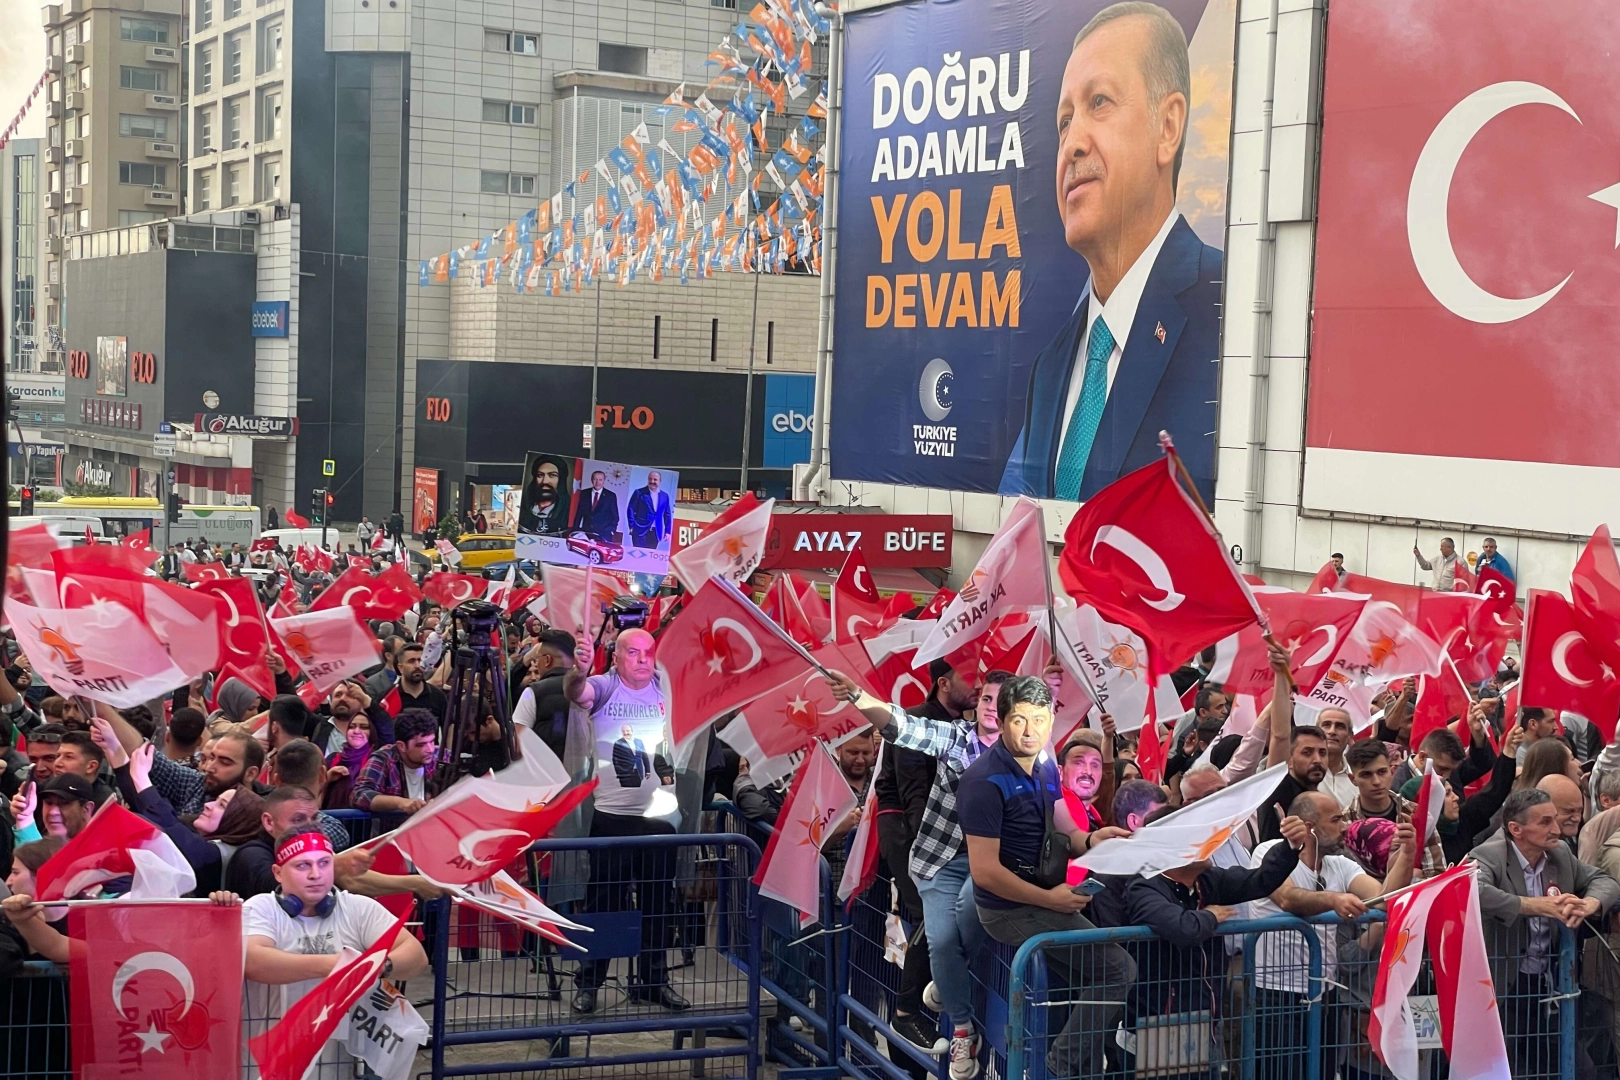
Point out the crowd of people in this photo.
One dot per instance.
(978, 815)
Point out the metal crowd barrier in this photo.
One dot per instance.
(799, 965)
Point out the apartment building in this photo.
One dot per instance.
(113, 128)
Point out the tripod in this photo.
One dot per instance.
(477, 690)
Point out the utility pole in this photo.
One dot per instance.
(748, 389)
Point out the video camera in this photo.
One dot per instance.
(625, 613)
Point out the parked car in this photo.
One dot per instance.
(496, 571)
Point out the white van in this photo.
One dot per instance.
(290, 539)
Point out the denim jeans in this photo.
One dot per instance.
(954, 935)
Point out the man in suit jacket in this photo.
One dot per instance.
(630, 761)
(1529, 882)
(650, 515)
(597, 512)
(1138, 353)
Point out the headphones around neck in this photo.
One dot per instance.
(295, 907)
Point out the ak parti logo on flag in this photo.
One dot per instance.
(1447, 275)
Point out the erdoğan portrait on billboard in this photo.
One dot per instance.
(1032, 198)
(1463, 347)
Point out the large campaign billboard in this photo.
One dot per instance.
(1462, 357)
(579, 511)
(1029, 266)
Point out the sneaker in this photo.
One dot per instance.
(916, 1030)
(965, 1056)
(931, 998)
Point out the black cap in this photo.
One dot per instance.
(70, 786)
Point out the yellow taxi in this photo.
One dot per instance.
(478, 550)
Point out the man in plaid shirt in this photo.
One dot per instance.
(938, 863)
(398, 778)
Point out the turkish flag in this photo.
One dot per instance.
(1463, 579)
(815, 610)
(898, 605)
(211, 571)
(721, 654)
(1441, 699)
(790, 716)
(1150, 755)
(286, 1051)
(575, 597)
(857, 609)
(936, 604)
(1431, 802)
(1326, 579)
(1311, 627)
(784, 605)
(448, 589)
(861, 867)
(140, 543)
(114, 844)
(385, 596)
(263, 543)
(901, 682)
(1594, 585)
(1563, 668)
(244, 639)
(1405, 597)
(1142, 554)
(323, 560)
(468, 839)
(109, 560)
(154, 995)
(520, 599)
(1494, 583)
(330, 645)
(391, 702)
(295, 520)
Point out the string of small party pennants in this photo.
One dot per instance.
(650, 217)
(16, 121)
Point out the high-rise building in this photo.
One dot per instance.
(113, 127)
(30, 380)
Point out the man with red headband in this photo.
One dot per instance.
(294, 934)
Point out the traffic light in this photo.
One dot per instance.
(25, 501)
(174, 508)
(319, 500)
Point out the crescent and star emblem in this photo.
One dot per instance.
(1133, 548)
(1560, 658)
(468, 845)
(1428, 230)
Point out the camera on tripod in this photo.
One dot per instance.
(625, 613)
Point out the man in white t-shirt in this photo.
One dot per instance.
(1324, 881)
(294, 934)
(634, 797)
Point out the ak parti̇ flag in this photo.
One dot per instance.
(1010, 577)
(154, 996)
(731, 545)
(469, 839)
(330, 645)
(1390, 1028)
(1143, 554)
(860, 869)
(1463, 982)
(819, 800)
(286, 1051)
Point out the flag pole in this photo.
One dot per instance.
(122, 900)
(1169, 448)
(1054, 632)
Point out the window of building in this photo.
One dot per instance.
(84, 32)
(55, 135)
(141, 126)
(205, 14)
(233, 58)
(522, 184)
(127, 218)
(142, 173)
(84, 78)
(56, 44)
(269, 115)
(84, 126)
(270, 180)
(512, 41)
(626, 59)
(233, 186)
(53, 181)
(233, 8)
(509, 112)
(493, 183)
(153, 30)
(269, 45)
(144, 78)
(233, 124)
(84, 173)
(70, 36)
(84, 221)
(54, 271)
(202, 182)
(205, 68)
(204, 128)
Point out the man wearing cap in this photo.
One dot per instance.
(64, 806)
(294, 934)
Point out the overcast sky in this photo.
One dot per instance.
(22, 59)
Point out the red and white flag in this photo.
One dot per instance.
(1192, 834)
(901, 682)
(1150, 755)
(244, 639)
(287, 1050)
(102, 651)
(115, 844)
(784, 604)
(731, 546)
(448, 589)
(384, 596)
(575, 597)
(1431, 802)
(154, 995)
(502, 896)
(295, 520)
(1493, 583)
(469, 839)
(1462, 980)
(500, 590)
(329, 645)
(789, 717)
(1114, 662)
(212, 571)
(1441, 699)
(141, 544)
(1310, 627)
(861, 868)
(1011, 576)
(1594, 586)
(1390, 1028)
(721, 654)
(1563, 667)
(857, 608)
(1145, 556)
(819, 800)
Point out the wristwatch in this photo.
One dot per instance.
(388, 966)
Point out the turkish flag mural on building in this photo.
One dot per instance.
(154, 996)
(1442, 273)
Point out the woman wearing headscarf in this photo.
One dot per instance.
(224, 824)
(352, 758)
